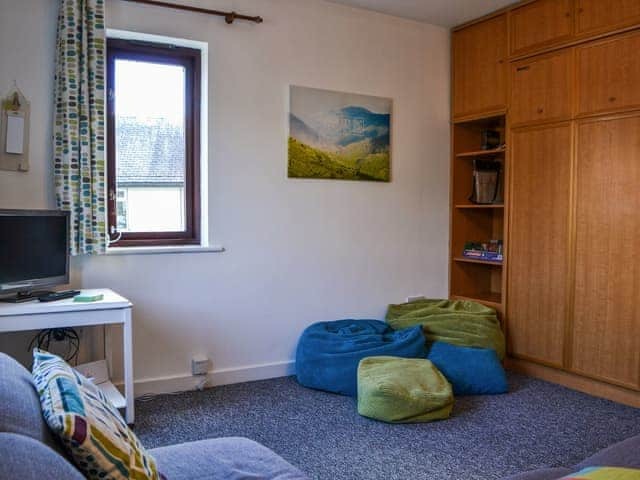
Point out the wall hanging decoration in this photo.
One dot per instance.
(334, 135)
(14, 131)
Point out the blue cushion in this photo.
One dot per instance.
(329, 352)
(471, 371)
(223, 458)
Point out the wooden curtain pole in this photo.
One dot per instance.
(229, 17)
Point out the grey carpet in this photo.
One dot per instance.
(537, 424)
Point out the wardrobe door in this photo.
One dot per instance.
(540, 24)
(541, 88)
(609, 75)
(598, 16)
(606, 332)
(540, 172)
(480, 67)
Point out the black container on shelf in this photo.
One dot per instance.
(486, 182)
(490, 139)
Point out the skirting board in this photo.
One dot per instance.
(227, 376)
(575, 382)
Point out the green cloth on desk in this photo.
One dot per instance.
(88, 298)
(458, 322)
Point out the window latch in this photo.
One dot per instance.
(113, 231)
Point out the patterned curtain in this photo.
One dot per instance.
(79, 140)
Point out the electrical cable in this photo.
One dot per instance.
(147, 397)
(42, 340)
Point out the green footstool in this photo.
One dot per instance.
(402, 390)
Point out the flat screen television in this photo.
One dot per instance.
(34, 251)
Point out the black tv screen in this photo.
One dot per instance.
(33, 248)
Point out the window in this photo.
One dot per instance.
(153, 140)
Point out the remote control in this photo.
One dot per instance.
(53, 296)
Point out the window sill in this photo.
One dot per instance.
(164, 250)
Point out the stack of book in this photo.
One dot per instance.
(491, 251)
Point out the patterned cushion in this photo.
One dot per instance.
(91, 429)
(605, 473)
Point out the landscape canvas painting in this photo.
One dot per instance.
(336, 135)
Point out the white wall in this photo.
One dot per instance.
(298, 251)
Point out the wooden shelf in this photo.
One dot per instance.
(491, 299)
(486, 119)
(478, 262)
(481, 153)
(475, 206)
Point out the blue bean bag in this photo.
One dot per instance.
(471, 371)
(329, 352)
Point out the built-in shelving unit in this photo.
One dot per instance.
(570, 157)
(475, 279)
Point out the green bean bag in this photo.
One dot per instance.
(458, 322)
(402, 390)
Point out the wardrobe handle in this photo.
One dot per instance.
(522, 69)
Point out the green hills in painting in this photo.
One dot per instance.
(309, 162)
(341, 153)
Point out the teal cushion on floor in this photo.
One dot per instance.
(471, 371)
(402, 390)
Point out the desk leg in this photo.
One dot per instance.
(128, 366)
(107, 332)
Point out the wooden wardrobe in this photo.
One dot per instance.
(560, 81)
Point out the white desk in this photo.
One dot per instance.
(113, 309)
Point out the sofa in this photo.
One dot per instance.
(623, 454)
(29, 451)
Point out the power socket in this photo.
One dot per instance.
(415, 298)
(199, 365)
